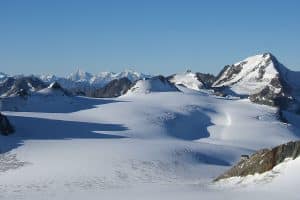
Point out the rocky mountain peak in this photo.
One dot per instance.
(262, 78)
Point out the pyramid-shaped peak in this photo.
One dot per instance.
(55, 85)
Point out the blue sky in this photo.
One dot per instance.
(157, 37)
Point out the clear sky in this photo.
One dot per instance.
(153, 36)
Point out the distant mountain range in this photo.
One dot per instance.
(84, 79)
(261, 78)
(78, 83)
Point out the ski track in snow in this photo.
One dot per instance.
(167, 143)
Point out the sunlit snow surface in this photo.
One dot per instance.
(160, 145)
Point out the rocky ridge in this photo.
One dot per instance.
(263, 160)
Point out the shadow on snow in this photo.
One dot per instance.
(191, 126)
(28, 128)
(51, 104)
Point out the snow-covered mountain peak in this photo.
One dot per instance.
(251, 75)
(263, 79)
(54, 89)
(80, 76)
(131, 75)
(54, 85)
(48, 78)
(154, 84)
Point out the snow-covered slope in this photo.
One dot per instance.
(163, 145)
(154, 84)
(187, 79)
(251, 75)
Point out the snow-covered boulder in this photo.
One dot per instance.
(154, 84)
(5, 127)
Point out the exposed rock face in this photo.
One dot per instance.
(5, 127)
(114, 88)
(263, 160)
(228, 73)
(206, 79)
(268, 97)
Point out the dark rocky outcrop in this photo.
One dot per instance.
(206, 79)
(263, 160)
(114, 88)
(268, 97)
(231, 71)
(5, 127)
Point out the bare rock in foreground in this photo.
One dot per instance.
(263, 160)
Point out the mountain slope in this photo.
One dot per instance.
(249, 76)
(154, 84)
(262, 78)
(54, 89)
(114, 88)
